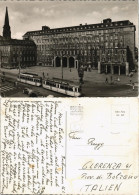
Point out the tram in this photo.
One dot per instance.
(30, 78)
(56, 85)
(62, 87)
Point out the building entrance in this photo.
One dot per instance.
(122, 69)
(64, 62)
(108, 69)
(71, 62)
(40, 64)
(116, 69)
(58, 64)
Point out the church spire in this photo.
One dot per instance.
(6, 27)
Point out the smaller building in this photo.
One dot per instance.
(15, 53)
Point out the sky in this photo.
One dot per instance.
(25, 15)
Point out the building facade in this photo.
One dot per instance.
(108, 46)
(14, 52)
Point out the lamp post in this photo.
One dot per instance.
(19, 64)
(62, 64)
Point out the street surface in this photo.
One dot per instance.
(94, 83)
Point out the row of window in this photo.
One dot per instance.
(95, 31)
(87, 38)
(21, 48)
(4, 48)
(49, 38)
(48, 49)
(114, 59)
(82, 51)
(4, 59)
(30, 79)
(80, 39)
(28, 58)
(111, 52)
(61, 86)
(24, 52)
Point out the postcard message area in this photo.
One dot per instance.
(69, 146)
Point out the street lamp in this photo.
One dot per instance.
(19, 63)
(62, 64)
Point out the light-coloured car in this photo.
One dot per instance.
(27, 91)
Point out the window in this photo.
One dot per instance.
(106, 44)
(62, 86)
(109, 58)
(116, 43)
(101, 39)
(111, 37)
(70, 89)
(66, 87)
(54, 84)
(79, 89)
(116, 36)
(111, 44)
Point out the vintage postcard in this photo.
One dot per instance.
(69, 48)
(69, 97)
(69, 146)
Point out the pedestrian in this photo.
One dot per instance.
(111, 79)
(89, 68)
(133, 85)
(106, 80)
(118, 79)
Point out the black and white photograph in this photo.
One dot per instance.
(69, 48)
(69, 97)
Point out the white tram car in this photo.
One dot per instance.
(59, 86)
(30, 78)
(62, 87)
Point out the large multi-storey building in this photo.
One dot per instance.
(14, 52)
(108, 46)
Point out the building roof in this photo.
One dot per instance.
(107, 23)
(17, 42)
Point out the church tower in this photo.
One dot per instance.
(6, 27)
